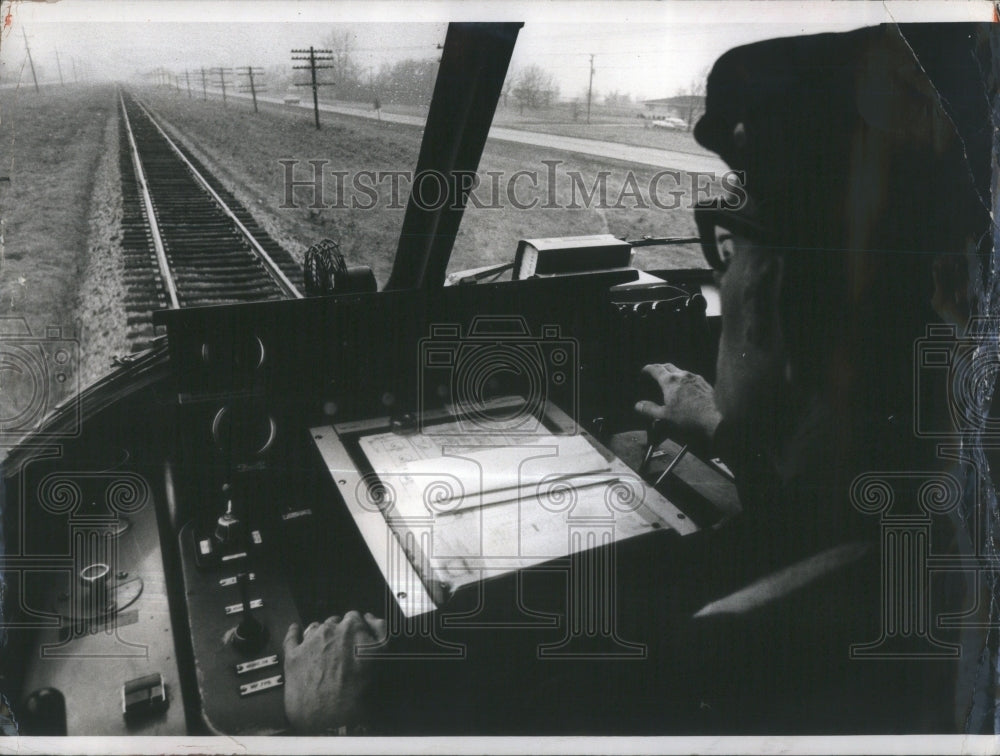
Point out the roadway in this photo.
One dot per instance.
(649, 156)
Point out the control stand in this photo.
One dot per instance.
(239, 608)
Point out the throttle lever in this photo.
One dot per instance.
(250, 635)
(656, 429)
(656, 434)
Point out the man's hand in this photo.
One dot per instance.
(325, 680)
(688, 404)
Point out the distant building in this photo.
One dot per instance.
(687, 108)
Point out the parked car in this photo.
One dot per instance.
(670, 122)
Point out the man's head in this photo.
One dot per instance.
(751, 357)
(859, 182)
(751, 360)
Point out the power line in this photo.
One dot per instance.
(590, 86)
(250, 72)
(221, 74)
(59, 69)
(30, 61)
(315, 57)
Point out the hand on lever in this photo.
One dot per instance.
(688, 412)
(325, 679)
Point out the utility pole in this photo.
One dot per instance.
(314, 57)
(252, 84)
(590, 86)
(204, 90)
(75, 79)
(187, 78)
(376, 103)
(221, 73)
(30, 61)
(4, 183)
(59, 69)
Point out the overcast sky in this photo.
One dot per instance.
(648, 49)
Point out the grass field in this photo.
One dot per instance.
(50, 143)
(244, 149)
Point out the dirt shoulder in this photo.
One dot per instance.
(101, 297)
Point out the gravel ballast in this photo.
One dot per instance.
(100, 299)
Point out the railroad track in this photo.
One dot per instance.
(187, 241)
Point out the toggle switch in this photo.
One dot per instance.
(228, 528)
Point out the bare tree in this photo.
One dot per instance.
(691, 99)
(617, 99)
(346, 73)
(279, 77)
(534, 88)
(508, 85)
(409, 81)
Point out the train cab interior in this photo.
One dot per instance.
(285, 461)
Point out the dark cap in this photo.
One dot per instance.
(844, 138)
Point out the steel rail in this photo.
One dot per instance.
(147, 201)
(271, 267)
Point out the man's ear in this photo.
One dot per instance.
(763, 295)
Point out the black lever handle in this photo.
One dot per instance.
(250, 635)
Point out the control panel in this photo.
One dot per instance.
(89, 641)
(264, 535)
(239, 607)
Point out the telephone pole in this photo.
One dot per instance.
(59, 69)
(30, 61)
(252, 84)
(375, 101)
(187, 78)
(314, 57)
(75, 79)
(221, 73)
(590, 86)
(204, 88)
